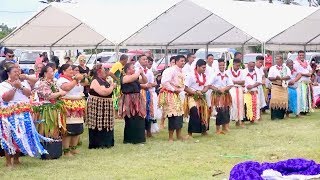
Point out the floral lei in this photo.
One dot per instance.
(198, 80)
(304, 64)
(234, 74)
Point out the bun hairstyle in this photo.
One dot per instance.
(126, 67)
(63, 68)
(8, 67)
(95, 70)
(44, 70)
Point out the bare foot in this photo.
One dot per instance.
(9, 166)
(68, 154)
(75, 151)
(16, 162)
(220, 132)
(188, 137)
(171, 141)
(205, 134)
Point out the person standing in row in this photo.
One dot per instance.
(210, 71)
(195, 104)
(278, 75)
(116, 72)
(237, 76)
(293, 90)
(84, 70)
(259, 69)
(304, 90)
(99, 114)
(74, 104)
(251, 98)
(221, 98)
(172, 83)
(132, 107)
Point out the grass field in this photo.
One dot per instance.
(198, 158)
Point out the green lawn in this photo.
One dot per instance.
(198, 158)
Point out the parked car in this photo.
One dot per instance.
(27, 60)
(108, 58)
(160, 64)
(218, 53)
(309, 57)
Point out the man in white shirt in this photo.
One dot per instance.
(237, 76)
(210, 70)
(304, 90)
(172, 83)
(195, 104)
(221, 98)
(251, 99)
(190, 64)
(145, 91)
(262, 87)
(278, 75)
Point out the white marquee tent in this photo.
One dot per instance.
(165, 23)
(303, 35)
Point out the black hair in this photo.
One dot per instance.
(172, 58)
(178, 57)
(139, 57)
(126, 67)
(9, 51)
(68, 58)
(237, 61)
(63, 68)
(45, 59)
(220, 60)
(52, 65)
(209, 55)
(31, 71)
(259, 58)
(189, 55)
(95, 70)
(74, 67)
(4, 75)
(124, 57)
(300, 52)
(237, 53)
(150, 59)
(200, 62)
(44, 70)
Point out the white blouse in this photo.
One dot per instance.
(191, 82)
(76, 91)
(251, 78)
(221, 79)
(18, 96)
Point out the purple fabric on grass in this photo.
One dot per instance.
(253, 170)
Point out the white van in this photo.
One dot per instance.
(217, 53)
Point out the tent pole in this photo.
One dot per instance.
(96, 51)
(166, 56)
(263, 53)
(207, 51)
(304, 49)
(117, 49)
(242, 49)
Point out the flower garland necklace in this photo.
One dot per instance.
(234, 74)
(252, 76)
(304, 64)
(198, 80)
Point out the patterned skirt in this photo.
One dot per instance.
(252, 106)
(132, 105)
(279, 97)
(18, 132)
(170, 103)
(237, 110)
(99, 114)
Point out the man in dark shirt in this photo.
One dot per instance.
(5, 63)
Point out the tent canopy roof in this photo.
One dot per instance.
(188, 23)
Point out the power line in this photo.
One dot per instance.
(17, 11)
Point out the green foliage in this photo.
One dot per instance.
(5, 30)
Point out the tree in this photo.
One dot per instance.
(5, 30)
